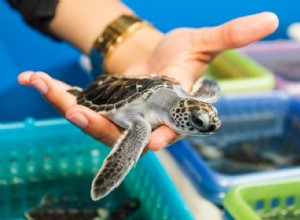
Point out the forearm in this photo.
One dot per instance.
(80, 23)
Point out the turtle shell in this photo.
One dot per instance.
(108, 92)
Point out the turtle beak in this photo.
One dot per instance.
(213, 127)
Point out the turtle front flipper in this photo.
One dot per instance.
(206, 90)
(125, 153)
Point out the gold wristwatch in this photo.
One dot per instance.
(113, 35)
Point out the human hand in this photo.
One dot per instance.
(92, 123)
(182, 54)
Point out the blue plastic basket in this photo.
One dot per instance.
(52, 157)
(259, 140)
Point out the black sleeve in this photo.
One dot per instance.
(37, 13)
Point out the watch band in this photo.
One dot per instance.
(114, 34)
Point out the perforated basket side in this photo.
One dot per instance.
(250, 116)
(53, 157)
(48, 149)
(40, 157)
(278, 200)
(157, 190)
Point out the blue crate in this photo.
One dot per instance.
(52, 156)
(267, 125)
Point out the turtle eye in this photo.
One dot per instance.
(196, 121)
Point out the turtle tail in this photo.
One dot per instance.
(76, 91)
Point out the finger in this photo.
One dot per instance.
(89, 121)
(54, 91)
(161, 137)
(107, 132)
(94, 124)
(236, 33)
(24, 79)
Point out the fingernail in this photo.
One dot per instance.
(40, 85)
(25, 76)
(79, 119)
(164, 144)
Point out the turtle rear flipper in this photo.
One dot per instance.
(125, 153)
(76, 91)
(206, 90)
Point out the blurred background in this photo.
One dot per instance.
(247, 171)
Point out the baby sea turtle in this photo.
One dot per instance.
(140, 105)
(65, 208)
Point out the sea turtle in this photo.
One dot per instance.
(140, 105)
(75, 208)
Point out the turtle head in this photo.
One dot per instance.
(194, 117)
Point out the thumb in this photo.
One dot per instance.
(236, 33)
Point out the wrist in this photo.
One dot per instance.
(80, 24)
(135, 49)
